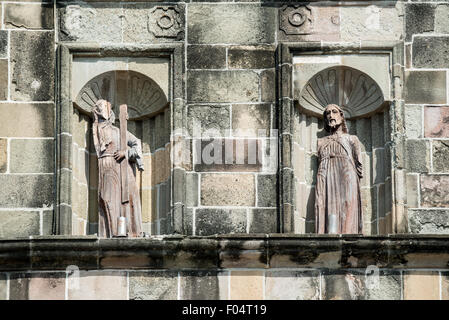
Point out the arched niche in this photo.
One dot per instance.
(367, 116)
(143, 95)
(149, 120)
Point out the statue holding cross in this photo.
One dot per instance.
(119, 153)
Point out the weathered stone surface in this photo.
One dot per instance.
(3, 43)
(47, 286)
(421, 285)
(251, 57)
(22, 191)
(143, 21)
(444, 285)
(28, 16)
(19, 223)
(441, 16)
(246, 285)
(292, 285)
(41, 286)
(387, 288)
(228, 155)
(266, 190)
(356, 285)
(342, 286)
(429, 52)
(208, 120)
(203, 285)
(99, 285)
(428, 221)
(231, 24)
(95, 22)
(435, 122)
(325, 24)
(3, 79)
(31, 156)
(440, 156)
(34, 120)
(377, 132)
(191, 189)
(153, 285)
(419, 18)
(206, 57)
(412, 181)
(408, 56)
(262, 221)
(220, 221)
(81, 129)
(363, 129)
(32, 64)
(435, 190)
(425, 87)
(222, 86)
(267, 85)
(371, 22)
(47, 222)
(3, 155)
(413, 121)
(379, 168)
(251, 120)
(227, 190)
(418, 155)
(3, 286)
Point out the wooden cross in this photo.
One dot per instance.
(124, 148)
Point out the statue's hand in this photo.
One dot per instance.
(119, 155)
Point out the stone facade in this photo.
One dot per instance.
(27, 165)
(251, 164)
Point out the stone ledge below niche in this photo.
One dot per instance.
(267, 251)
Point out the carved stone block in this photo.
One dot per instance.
(165, 21)
(296, 19)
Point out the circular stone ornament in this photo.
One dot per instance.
(297, 19)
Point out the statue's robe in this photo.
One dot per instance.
(338, 206)
(107, 142)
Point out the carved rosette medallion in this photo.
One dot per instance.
(296, 19)
(166, 21)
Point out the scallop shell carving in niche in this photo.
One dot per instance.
(143, 95)
(356, 92)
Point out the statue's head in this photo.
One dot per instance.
(334, 118)
(103, 111)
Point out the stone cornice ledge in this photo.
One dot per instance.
(225, 251)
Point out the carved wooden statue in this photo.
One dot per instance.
(118, 195)
(338, 207)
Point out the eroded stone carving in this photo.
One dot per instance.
(166, 21)
(338, 206)
(296, 19)
(119, 153)
(142, 95)
(354, 91)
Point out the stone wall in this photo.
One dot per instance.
(233, 284)
(27, 64)
(426, 117)
(229, 75)
(231, 94)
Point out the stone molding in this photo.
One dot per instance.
(225, 251)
